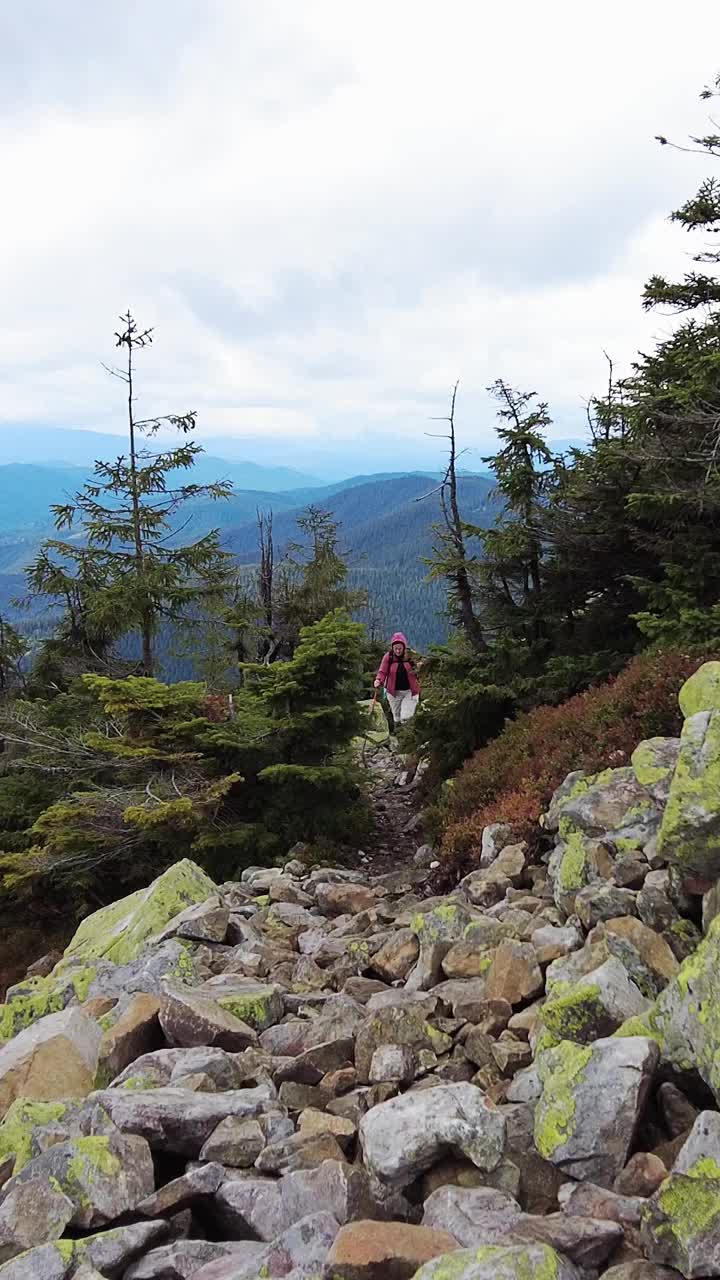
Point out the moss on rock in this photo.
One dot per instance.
(16, 1130)
(119, 932)
(701, 691)
(561, 1069)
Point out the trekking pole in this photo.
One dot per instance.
(365, 735)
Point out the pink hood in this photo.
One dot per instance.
(398, 638)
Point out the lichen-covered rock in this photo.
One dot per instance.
(690, 832)
(120, 931)
(591, 1102)
(259, 1004)
(681, 1222)
(108, 1252)
(701, 691)
(56, 1057)
(593, 1007)
(500, 1262)
(654, 762)
(614, 805)
(685, 1019)
(404, 1136)
(436, 931)
(103, 1176)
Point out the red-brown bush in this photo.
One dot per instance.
(513, 777)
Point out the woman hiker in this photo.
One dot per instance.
(397, 675)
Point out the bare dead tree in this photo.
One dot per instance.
(452, 561)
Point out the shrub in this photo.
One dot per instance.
(513, 778)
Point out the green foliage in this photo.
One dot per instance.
(143, 774)
(125, 573)
(513, 778)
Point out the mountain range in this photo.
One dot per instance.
(386, 530)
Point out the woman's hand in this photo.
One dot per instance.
(377, 684)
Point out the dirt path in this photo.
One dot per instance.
(397, 832)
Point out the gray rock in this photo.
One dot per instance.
(164, 1066)
(201, 922)
(177, 1120)
(604, 902)
(394, 1062)
(103, 1176)
(235, 1142)
(300, 1250)
(500, 1262)
(494, 839)
(404, 1136)
(474, 1215)
(340, 1019)
(250, 1208)
(406, 1027)
(32, 1213)
(592, 1099)
(181, 1259)
(638, 1269)
(191, 1186)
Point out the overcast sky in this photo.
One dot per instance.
(330, 210)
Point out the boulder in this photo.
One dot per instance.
(108, 1253)
(591, 1102)
(344, 899)
(701, 691)
(654, 762)
(56, 1057)
(202, 922)
(690, 830)
(404, 1136)
(514, 974)
(500, 1262)
(685, 1019)
(384, 1250)
(681, 1222)
(120, 931)
(235, 1142)
(593, 1007)
(103, 1176)
(32, 1213)
(181, 1259)
(186, 1190)
(473, 1215)
(396, 957)
(189, 1019)
(397, 1026)
(177, 1120)
(257, 1004)
(137, 1031)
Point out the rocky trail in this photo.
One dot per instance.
(322, 1073)
(394, 797)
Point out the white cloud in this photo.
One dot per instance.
(330, 211)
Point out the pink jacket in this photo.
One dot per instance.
(387, 671)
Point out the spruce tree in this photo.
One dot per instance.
(126, 569)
